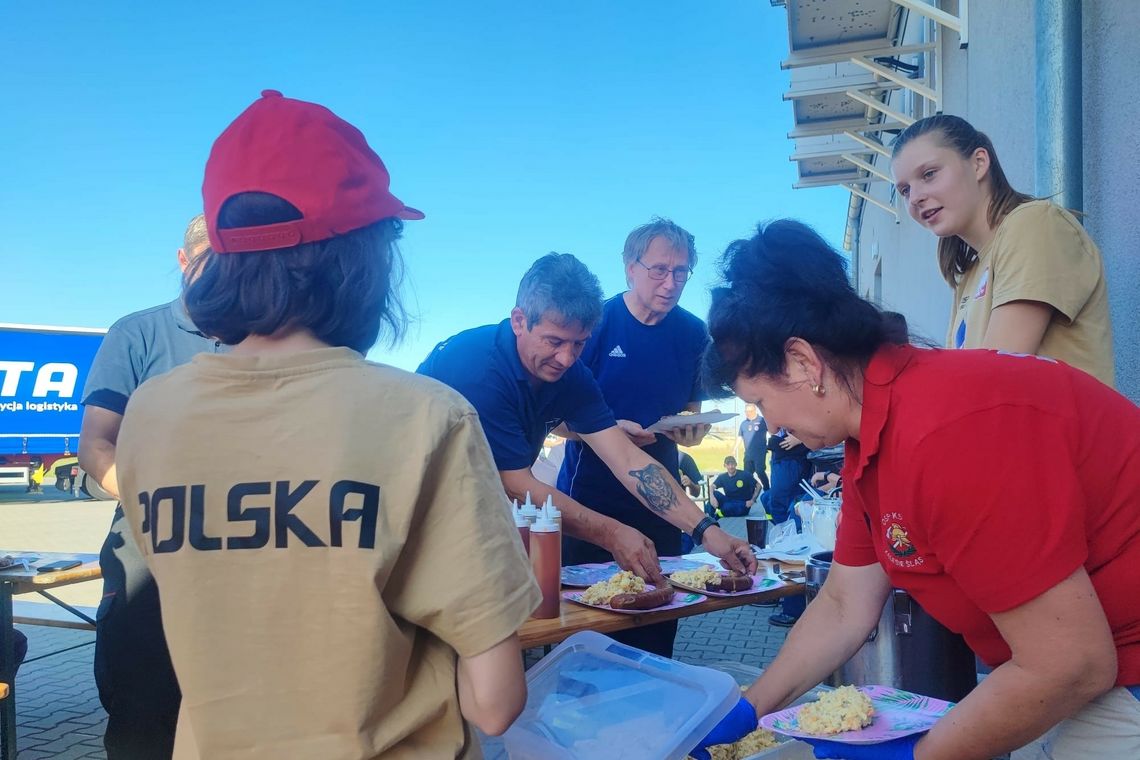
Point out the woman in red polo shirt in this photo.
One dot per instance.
(953, 491)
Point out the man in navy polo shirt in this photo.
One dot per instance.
(524, 378)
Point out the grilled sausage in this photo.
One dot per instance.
(730, 583)
(646, 600)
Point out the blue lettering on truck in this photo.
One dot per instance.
(42, 373)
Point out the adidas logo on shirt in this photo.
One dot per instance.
(617, 353)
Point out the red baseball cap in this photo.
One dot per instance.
(307, 155)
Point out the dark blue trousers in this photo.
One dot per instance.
(786, 474)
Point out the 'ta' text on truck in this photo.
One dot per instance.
(42, 373)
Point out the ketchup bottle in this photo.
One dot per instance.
(546, 561)
(522, 524)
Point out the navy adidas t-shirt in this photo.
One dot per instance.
(483, 365)
(646, 372)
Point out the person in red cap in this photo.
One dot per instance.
(318, 601)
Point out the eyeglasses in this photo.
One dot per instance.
(660, 272)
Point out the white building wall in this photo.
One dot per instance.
(992, 84)
(1112, 168)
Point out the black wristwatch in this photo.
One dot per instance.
(698, 533)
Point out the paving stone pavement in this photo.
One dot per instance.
(59, 715)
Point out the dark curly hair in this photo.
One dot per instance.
(786, 282)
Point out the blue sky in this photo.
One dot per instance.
(518, 128)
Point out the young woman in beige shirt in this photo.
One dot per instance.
(1027, 278)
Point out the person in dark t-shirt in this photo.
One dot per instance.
(732, 493)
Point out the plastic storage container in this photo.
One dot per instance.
(789, 749)
(595, 698)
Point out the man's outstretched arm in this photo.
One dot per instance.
(660, 492)
(631, 550)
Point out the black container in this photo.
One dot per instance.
(908, 649)
(757, 528)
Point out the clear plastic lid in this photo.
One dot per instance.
(595, 698)
(529, 509)
(554, 512)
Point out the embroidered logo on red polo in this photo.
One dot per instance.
(898, 541)
(899, 548)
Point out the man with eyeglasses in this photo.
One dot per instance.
(524, 379)
(645, 354)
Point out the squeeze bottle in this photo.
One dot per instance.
(522, 524)
(546, 561)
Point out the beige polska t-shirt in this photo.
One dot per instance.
(326, 534)
(1041, 253)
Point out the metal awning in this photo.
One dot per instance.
(813, 103)
(853, 79)
(823, 159)
(815, 24)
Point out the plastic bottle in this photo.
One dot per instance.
(529, 510)
(522, 524)
(546, 561)
(555, 512)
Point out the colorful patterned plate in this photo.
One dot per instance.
(760, 582)
(897, 713)
(583, 576)
(680, 599)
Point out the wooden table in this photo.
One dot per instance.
(576, 617)
(534, 633)
(18, 580)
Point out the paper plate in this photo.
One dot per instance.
(674, 421)
(582, 576)
(760, 582)
(897, 714)
(680, 599)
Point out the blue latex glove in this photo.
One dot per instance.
(895, 749)
(739, 722)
